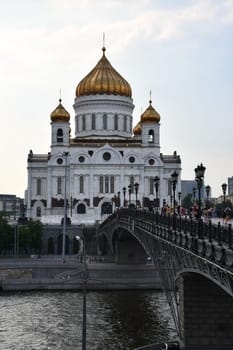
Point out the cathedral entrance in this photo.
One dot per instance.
(106, 208)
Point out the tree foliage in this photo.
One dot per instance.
(29, 237)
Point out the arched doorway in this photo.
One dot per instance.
(50, 245)
(81, 208)
(106, 208)
(59, 244)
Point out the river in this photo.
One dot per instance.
(53, 320)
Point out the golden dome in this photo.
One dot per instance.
(60, 114)
(137, 130)
(103, 79)
(150, 115)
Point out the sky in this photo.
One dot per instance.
(180, 50)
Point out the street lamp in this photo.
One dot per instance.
(224, 190)
(174, 177)
(84, 285)
(199, 172)
(136, 185)
(124, 191)
(130, 191)
(207, 188)
(65, 154)
(118, 199)
(156, 183)
(179, 200)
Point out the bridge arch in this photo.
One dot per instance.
(127, 248)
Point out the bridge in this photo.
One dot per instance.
(195, 262)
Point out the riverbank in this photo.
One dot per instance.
(42, 274)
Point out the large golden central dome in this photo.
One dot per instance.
(103, 79)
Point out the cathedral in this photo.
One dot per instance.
(108, 163)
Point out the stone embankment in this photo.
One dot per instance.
(40, 274)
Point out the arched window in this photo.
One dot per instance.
(125, 123)
(151, 136)
(59, 185)
(38, 186)
(115, 122)
(81, 208)
(105, 122)
(81, 184)
(84, 123)
(38, 212)
(59, 135)
(93, 126)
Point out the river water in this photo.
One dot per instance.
(119, 320)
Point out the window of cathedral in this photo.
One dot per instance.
(112, 184)
(125, 123)
(106, 156)
(115, 122)
(151, 161)
(151, 185)
(81, 208)
(131, 159)
(105, 122)
(59, 185)
(38, 187)
(151, 136)
(38, 212)
(59, 161)
(93, 126)
(81, 184)
(81, 159)
(84, 122)
(77, 125)
(59, 135)
(106, 184)
(101, 184)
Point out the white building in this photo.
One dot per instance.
(103, 157)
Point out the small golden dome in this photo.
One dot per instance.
(60, 114)
(137, 130)
(103, 79)
(150, 115)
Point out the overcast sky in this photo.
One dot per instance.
(181, 50)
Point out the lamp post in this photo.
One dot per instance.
(179, 200)
(174, 177)
(156, 183)
(199, 172)
(207, 188)
(65, 154)
(224, 190)
(124, 191)
(136, 186)
(130, 191)
(84, 285)
(118, 199)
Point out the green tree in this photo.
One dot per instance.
(187, 201)
(6, 236)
